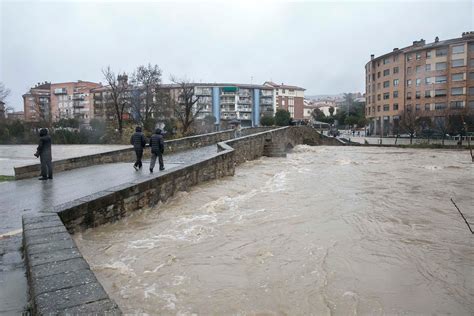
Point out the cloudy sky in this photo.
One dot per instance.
(321, 46)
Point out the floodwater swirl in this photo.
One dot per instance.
(325, 231)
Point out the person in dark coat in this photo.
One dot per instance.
(157, 148)
(44, 152)
(138, 141)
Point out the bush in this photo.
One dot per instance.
(267, 121)
(282, 117)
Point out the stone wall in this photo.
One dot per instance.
(128, 155)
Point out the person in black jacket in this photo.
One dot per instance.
(44, 152)
(157, 148)
(138, 141)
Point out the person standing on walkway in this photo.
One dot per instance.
(138, 141)
(157, 148)
(44, 152)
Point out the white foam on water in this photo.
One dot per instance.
(117, 265)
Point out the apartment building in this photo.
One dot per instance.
(290, 98)
(227, 101)
(54, 101)
(429, 80)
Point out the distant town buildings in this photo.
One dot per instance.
(290, 98)
(55, 101)
(426, 80)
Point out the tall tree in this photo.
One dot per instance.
(146, 83)
(331, 110)
(318, 115)
(186, 107)
(4, 92)
(116, 97)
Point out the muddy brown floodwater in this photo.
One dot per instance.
(325, 231)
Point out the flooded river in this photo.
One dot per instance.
(325, 231)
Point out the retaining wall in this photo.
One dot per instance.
(56, 249)
(128, 155)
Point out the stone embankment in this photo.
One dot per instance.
(51, 254)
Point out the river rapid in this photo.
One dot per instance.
(325, 231)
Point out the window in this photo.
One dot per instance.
(457, 104)
(440, 79)
(378, 74)
(395, 94)
(427, 107)
(442, 52)
(458, 49)
(386, 107)
(386, 61)
(417, 107)
(427, 93)
(395, 106)
(440, 66)
(409, 95)
(471, 47)
(395, 81)
(409, 57)
(408, 107)
(409, 70)
(378, 108)
(378, 97)
(386, 84)
(386, 72)
(428, 67)
(395, 58)
(428, 54)
(471, 90)
(386, 96)
(417, 94)
(470, 104)
(418, 82)
(457, 63)
(418, 56)
(373, 77)
(395, 70)
(440, 106)
(471, 76)
(440, 92)
(428, 80)
(457, 91)
(409, 82)
(457, 77)
(418, 69)
(471, 62)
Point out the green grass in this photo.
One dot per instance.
(6, 178)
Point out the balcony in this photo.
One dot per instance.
(60, 91)
(266, 101)
(244, 109)
(79, 97)
(244, 101)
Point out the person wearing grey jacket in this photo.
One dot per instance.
(44, 153)
(157, 148)
(138, 141)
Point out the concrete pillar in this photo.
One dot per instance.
(216, 105)
(256, 108)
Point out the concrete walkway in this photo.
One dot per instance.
(31, 196)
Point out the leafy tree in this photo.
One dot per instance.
(267, 120)
(331, 110)
(318, 115)
(282, 117)
(351, 120)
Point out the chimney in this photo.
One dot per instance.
(436, 39)
(395, 49)
(372, 56)
(468, 34)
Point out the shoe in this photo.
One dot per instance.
(162, 168)
(151, 170)
(43, 178)
(136, 168)
(51, 178)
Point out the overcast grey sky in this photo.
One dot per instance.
(321, 46)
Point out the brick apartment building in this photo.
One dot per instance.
(55, 101)
(431, 80)
(290, 98)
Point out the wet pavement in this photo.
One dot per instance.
(31, 196)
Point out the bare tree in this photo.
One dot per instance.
(409, 123)
(144, 95)
(186, 107)
(117, 97)
(4, 92)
